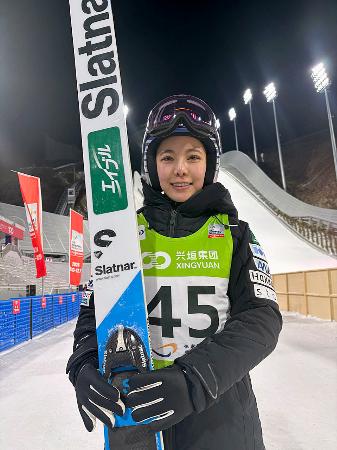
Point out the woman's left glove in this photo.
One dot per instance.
(159, 398)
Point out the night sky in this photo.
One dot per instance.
(211, 49)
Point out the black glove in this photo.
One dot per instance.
(161, 395)
(85, 352)
(96, 398)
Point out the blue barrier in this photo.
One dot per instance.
(6, 325)
(22, 321)
(23, 318)
(42, 314)
(73, 302)
(14, 322)
(60, 309)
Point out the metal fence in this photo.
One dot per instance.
(22, 319)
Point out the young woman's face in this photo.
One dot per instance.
(181, 166)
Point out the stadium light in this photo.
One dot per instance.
(247, 98)
(232, 118)
(320, 77)
(321, 83)
(232, 114)
(271, 94)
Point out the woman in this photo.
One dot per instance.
(212, 309)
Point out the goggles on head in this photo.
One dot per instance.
(180, 114)
(168, 114)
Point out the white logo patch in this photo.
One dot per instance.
(264, 292)
(257, 251)
(141, 232)
(86, 298)
(90, 284)
(216, 230)
(262, 265)
(151, 260)
(260, 277)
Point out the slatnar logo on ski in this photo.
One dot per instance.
(114, 268)
(100, 97)
(101, 61)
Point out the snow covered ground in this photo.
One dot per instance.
(295, 389)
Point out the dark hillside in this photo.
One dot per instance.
(309, 169)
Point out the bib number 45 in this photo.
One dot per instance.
(168, 322)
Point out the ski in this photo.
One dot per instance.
(120, 307)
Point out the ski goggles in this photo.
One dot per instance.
(172, 111)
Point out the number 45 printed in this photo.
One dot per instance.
(189, 313)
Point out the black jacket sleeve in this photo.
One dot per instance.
(85, 349)
(249, 335)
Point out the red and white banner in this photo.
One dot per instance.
(75, 248)
(31, 194)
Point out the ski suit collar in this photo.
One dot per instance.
(212, 199)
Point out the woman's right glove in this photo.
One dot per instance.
(96, 398)
(161, 398)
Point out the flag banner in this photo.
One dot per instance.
(75, 248)
(31, 195)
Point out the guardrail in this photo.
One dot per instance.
(22, 319)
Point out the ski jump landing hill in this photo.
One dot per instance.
(294, 235)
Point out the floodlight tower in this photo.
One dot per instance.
(232, 118)
(247, 98)
(321, 83)
(271, 94)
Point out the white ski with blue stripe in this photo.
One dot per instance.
(121, 315)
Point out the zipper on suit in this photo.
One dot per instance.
(173, 219)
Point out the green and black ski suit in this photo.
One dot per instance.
(236, 335)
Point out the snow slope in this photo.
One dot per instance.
(285, 251)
